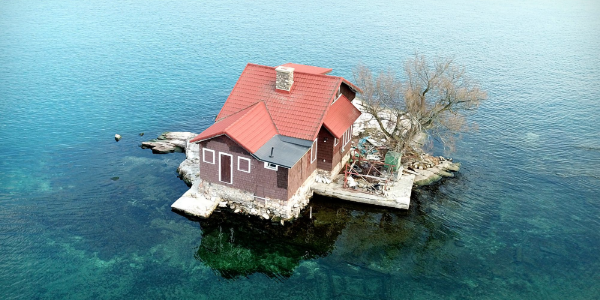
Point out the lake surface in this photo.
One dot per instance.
(520, 220)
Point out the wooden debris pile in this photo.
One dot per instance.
(367, 170)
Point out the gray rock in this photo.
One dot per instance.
(152, 144)
(163, 148)
(117, 137)
(455, 167)
(179, 143)
(171, 142)
(189, 170)
(177, 136)
(427, 180)
(445, 174)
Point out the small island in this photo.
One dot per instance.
(289, 131)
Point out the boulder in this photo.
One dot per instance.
(445, 174)
(177, 136)
(179, 143)
(163, 148)
(151, 144)
(455, 167)
(427, 180)
(170, 142)
(117, 137)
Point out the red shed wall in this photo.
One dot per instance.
(300, 172)
(340, 150)
(330, 154)
(325, 150)
(260, 181)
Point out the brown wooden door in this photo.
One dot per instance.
(225, 171)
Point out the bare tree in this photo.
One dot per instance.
(434, 99)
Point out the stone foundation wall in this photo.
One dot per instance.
(336, 170)
(246, 203)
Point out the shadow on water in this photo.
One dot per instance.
(238, 246)
(366, 238)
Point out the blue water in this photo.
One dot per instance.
(520, 221)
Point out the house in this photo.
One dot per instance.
(278, 127)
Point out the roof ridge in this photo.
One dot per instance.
(250, 108)
(270, 116)
(326, 110)
(296, 71)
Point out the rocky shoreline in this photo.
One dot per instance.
(427, 170)
(433, 174)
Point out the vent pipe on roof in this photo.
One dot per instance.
(285, 78)
(272, 148)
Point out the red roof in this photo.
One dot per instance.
(308, 69)
(250, 127)
(297, 114)
(341, 115)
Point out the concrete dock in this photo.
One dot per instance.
(398, 195)
(195, 204)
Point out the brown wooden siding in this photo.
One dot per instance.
(330, 154)
(299, 173)
(338, 152)
(346, 91)
(325, 150)
(260, 181)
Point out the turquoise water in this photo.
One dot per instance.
(520, 221)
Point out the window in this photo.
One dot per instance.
(313, 151)
(335, 141)
(208, 156)
(270, 166)
(243, 164)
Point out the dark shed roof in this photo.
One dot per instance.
(286, 150)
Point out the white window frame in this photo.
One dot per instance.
(268, 166)
(347, 135)
(335, 141)
(231, 167)
(249, 164)
(313, 150)
(204, 150)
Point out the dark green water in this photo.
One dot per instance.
(519, 222)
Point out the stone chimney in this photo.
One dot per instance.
(285, 78)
